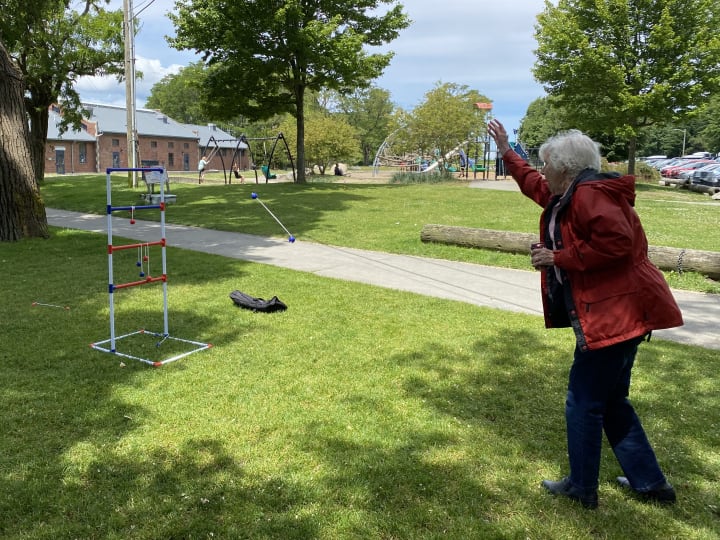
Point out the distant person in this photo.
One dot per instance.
(202, 164)
(338, 170)
(238, 175)
(596, 278)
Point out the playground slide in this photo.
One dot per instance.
(451, 153)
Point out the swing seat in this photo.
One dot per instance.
(266, 171)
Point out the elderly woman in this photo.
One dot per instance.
(596, 278)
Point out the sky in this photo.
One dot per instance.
(487, 46)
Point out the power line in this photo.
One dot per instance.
(147, 5)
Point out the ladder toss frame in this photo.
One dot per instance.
(112, 287)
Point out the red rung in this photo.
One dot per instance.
(133, 246)
(141, 282)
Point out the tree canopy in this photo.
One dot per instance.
(616, 66)
(541, 121)
(711, 129)
(179, 95)
(264, 55)
(329, 139)
(53, 45)
(369, 111)
(446, 118)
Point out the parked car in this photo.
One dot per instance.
(674, 172)
(706, 172)
(672, 162)
(711, 180)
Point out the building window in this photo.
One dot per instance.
(82, 149)
(171, 160)
(171, 144)
(116, 142)
(153, 144)
(186, 146)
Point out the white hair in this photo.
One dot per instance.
(571, 152)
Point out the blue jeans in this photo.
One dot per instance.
(597, 400)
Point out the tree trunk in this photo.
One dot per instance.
(300, 123)
(22, 213)
(39, 116)
(632, 149)
(665, 258)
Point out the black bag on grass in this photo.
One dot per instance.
(257, 304)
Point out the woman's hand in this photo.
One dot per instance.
(540, 257)
(497, 131)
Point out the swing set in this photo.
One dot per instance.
(244, 143)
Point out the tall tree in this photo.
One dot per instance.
(369, 111)
(180, 95)
(22, 213)
(53, 45)
(264, 55)
(710, 133)
(542, 120)
(446, 118)
(329, 139)
(616, 66)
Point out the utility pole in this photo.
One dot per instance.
(684, 130)
(129, 35)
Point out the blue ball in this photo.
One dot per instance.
(291, 239)
(253, 195)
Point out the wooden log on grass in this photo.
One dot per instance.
(665, 258)
(511, 242)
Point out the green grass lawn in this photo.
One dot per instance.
(390, 217)
(360, 412)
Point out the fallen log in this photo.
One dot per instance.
(665, 258)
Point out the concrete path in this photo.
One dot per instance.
(501, 288)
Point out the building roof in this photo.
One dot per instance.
(148, 122)
(113, 119)
(223, 138)
(70, 135)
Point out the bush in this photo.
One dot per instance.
(643, 171)
(434, 177)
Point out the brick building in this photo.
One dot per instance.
(73, 151)
(102, 143)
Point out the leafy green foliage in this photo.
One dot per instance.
(542, 120)
(53, 45)
(329, 139)
(180, 95)
(616, 66)
(369, 111)
(711, 129)
(446, 118)
(266, 54)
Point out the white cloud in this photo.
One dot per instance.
(487, 46)
(109, 90)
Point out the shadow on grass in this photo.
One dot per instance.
(70, 470)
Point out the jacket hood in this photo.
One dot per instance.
(612, 184)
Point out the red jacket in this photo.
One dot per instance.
(612, 290)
